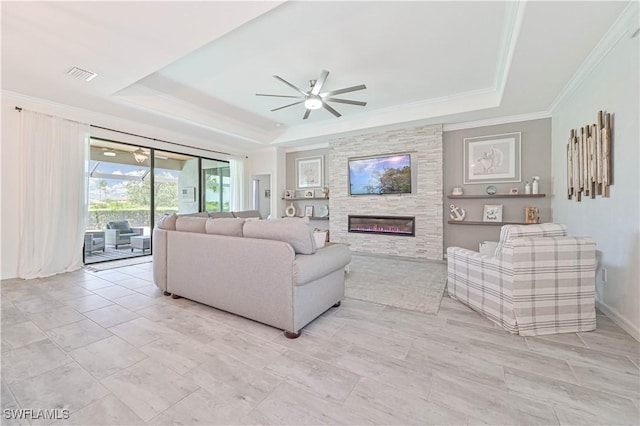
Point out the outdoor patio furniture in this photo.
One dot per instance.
(119, 233)
(93, 241)
(141, 243)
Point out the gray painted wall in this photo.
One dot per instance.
(536, 161)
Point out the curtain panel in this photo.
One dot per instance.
(52, 185)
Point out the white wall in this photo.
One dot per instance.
(271, 162)
(613, 222)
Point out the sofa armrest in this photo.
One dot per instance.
(309, 267)
(139, 230)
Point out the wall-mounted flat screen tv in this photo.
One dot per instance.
(381, 175)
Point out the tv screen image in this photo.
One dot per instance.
(390, 174)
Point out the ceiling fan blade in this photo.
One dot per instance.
(339, 91)
(320, 82)
(306, 114)
(345, 101)
(331, 110)
(287, 106)
(279, 96)
(290, 85)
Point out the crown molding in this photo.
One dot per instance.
(626, 21)
(514, 15)
(496, 121)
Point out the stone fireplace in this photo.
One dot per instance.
(403, 226)
(424, 205)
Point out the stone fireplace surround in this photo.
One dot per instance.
(425, 204)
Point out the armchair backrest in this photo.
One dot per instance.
(509, 232)
(122, 225)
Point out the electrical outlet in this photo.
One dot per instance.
(603, 275)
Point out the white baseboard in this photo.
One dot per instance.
(619, 319)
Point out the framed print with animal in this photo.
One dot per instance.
(492, 159)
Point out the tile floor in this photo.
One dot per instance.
(112, 350)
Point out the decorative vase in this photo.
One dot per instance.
(290, 211)
(527, 188)
(534, 187)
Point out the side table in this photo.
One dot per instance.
(141, 242)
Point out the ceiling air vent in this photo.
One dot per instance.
(81, 74)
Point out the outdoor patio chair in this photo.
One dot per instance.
(93, 241)
(119, 233)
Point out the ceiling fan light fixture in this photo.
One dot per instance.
(140, 156)
(109, 154)
(313, 102)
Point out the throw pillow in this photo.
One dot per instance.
(168, 222)
(225, 226)
(295, 231)
(191, 224)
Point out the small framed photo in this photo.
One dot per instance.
(513, 191)
(308, 193)
(308, 211)
(492, 213)
(289, 193)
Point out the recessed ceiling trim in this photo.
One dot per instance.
(514, 15)
(620, 28)
(496, 121)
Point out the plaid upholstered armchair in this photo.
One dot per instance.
(539, 281)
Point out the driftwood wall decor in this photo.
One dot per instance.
(589, 159)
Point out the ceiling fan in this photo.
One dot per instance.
(313, 99)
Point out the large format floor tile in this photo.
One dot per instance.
(113, 350)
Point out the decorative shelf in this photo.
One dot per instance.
(310, 217)
(471, 222)
(304, 198)
(497, 196)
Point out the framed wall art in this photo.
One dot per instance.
(492, 213)
(492, 159)
(309, 172)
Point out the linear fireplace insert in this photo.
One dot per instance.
(388, 225)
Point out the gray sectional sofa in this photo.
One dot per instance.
(265, 270)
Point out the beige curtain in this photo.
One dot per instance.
(52, 186)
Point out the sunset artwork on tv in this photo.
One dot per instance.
(390, 174)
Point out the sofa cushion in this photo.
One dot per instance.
(191, 224)
(168, 222)
(247, 213)
(225, 226)
(295, 231)
(217, 215)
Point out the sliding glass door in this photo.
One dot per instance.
(176, 184)
(129, 193)
(216, 183)
(118, 221)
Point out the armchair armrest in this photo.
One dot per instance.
(482, 282)
(112, 236)
(137, 230)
